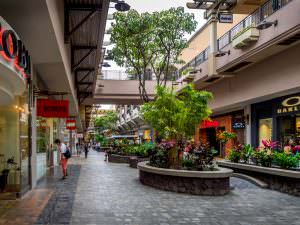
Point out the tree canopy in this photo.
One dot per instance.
(106, 122)
(150, 43)
(175, 117)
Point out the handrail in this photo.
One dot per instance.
(263, 12)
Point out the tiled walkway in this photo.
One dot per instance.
(101, 193)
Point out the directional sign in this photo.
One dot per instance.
(225, 17)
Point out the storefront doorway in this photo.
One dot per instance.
(288, 130)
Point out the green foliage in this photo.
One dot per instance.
(176, 117)
(188, 163)
(159, 158)
(144, 41)
(234, 155)
(225, 136)
(142, 150)
(264, 157)
(103, 140)
(286, 160)
(107, 121)
(247, 152)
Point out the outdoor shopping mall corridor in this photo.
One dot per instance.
(97, 192)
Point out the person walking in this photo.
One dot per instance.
(86, 150)
(63, 157)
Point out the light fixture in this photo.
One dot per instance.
(195, 71)
(121, 6)
(266, 24)
(222, 53)
(105, 64)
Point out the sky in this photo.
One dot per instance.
(151, 6)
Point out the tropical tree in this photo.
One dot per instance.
(175, 117)
(150, 43)
(106, 121)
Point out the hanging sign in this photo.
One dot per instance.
(209, 124)
(238, 125)
(71, 124)
(225, 17)
(53, 108)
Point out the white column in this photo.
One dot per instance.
(33, 148)
(213, 21)
(247, 113)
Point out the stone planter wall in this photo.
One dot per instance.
(211, 183)
(134, 160)
(277, 179)
(118, 158)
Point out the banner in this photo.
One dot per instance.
(53, 108)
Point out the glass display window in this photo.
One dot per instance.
(265, 129)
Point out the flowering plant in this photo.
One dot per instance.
(265, 155)
(296, 149)
(235, 153)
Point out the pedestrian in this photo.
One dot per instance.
(64, 156)
(86, 150)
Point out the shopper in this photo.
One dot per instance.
(86, 150)
(64, 155)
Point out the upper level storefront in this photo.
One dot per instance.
(273, 27)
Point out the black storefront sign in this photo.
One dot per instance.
(238, 125)
(275, 109)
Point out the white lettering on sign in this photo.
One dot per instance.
(225, 18)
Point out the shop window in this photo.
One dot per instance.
(289, 130)
(265, 129)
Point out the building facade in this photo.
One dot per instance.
(256, 88)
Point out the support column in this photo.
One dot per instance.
(213, 21)
(247, 113)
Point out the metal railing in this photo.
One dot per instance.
(264, 11)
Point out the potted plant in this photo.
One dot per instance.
(224, 137)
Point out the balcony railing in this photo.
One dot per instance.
(264, 11)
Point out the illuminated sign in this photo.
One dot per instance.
(13, 50)
(209, 124)
(71, 124)
(289, 105)
(53, 108)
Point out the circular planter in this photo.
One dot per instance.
(134, 160)
(210, 183)
(113, 158)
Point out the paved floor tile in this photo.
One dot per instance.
(103, 193)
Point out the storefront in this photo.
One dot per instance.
(277, 119)
(15, 114)
(207, 132)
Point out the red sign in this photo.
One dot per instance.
(14, 50)
(71, 124)
(53, 108)
(209, 124)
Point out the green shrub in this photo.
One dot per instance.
(285, 160)
(247, 152)
(188, 163)
(234, 155)
(159, 158)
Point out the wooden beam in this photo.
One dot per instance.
(84, 47)
(82, 59)
(88, 16)
(84, 7)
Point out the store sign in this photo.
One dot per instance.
(79, 135)
(13, 50)
(53, 108)
(225, 17)
(289, 105)
(71, 124)
(238, 125)
(209, 124)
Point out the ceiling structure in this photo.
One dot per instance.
(84, 30)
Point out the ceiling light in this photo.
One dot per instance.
(265, 25)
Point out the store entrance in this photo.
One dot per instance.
(289, 130)
(212, 139)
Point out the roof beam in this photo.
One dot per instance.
(84, 7)
(82, 59)
(88, 16)
(85, 76)
(84, 47)
(85, 83)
